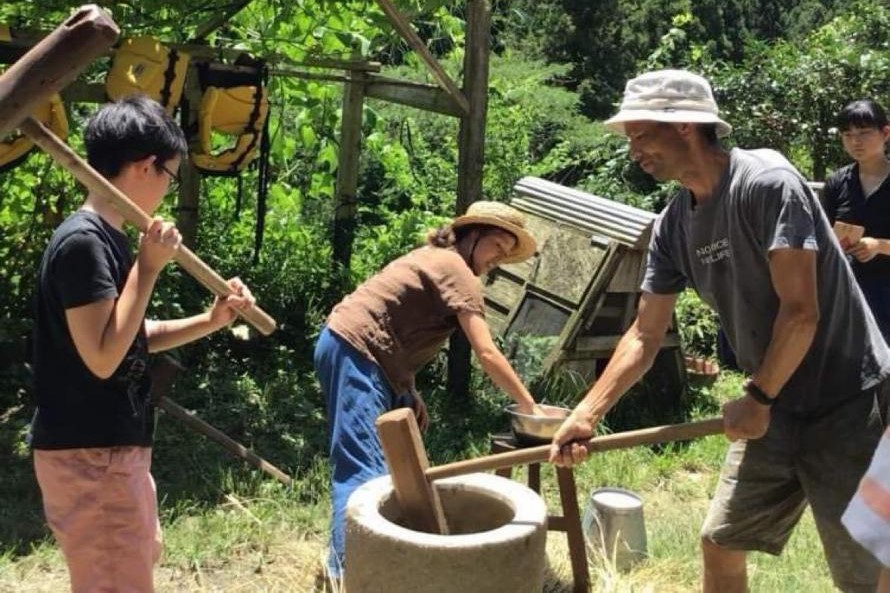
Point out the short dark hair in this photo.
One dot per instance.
(864, 113)
(129, 130)
(709, 131)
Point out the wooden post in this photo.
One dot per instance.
(471, 158)
(348, 168)
(190, 189)
(471, 137)
(406, 457)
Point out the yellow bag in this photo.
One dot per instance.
(16, 147)
(145, 65)
(239, 111)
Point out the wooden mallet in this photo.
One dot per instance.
(412, 477)
(45, 70)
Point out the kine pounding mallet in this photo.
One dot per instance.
(412, 476)
(46, 69)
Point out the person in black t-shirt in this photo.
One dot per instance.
(92, 431)
(860, 194)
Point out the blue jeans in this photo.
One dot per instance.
(356, 393)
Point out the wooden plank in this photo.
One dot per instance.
(497, 320)
(568, 495)
(629, 275)
(630, 309)
(422, 96)
(541, 229)
(610, 311)
(567, 264)
(23, 39)
(538, 317)
(403, 27)
(590, 347)
(591, 301)
(408, 463)
(504, 291)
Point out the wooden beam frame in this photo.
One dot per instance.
(413, 94)
(218, 20)
(403, 27)
(23, 40)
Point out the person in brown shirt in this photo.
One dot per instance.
(378, 337)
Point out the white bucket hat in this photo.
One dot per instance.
(672, 96)
(503, 217)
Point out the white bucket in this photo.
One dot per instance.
(613, 526)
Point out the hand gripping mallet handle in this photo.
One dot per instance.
(83, 172)
(619, 440)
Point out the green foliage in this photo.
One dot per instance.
(697, 324)
(554, 59)
(605, 41)
(787, 95)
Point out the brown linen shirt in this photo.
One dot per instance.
(400, 317)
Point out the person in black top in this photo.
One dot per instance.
(860, 194)
(93, 427)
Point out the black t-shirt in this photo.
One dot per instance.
(843, 200)
(87, 260)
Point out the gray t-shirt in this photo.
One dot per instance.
(721, 249)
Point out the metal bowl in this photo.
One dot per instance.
(536, 429)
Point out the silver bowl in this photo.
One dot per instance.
(536, 429)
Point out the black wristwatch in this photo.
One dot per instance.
(758, 394)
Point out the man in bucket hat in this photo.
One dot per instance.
(377, 338)
(747, 234)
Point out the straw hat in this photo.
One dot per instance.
(672, 96)
(503, 217)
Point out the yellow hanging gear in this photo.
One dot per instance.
(16, 147)
(239, 111)
(145, 65)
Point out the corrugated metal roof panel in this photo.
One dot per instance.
(625, 224)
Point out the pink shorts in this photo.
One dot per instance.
(101, 505)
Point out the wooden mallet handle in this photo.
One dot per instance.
(55, 61)
(94, 182)
(45, 70)
(407, 461)
(619, 440)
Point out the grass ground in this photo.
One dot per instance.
(271, 539)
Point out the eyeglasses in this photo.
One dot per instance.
(175, 181)
(859, 134)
